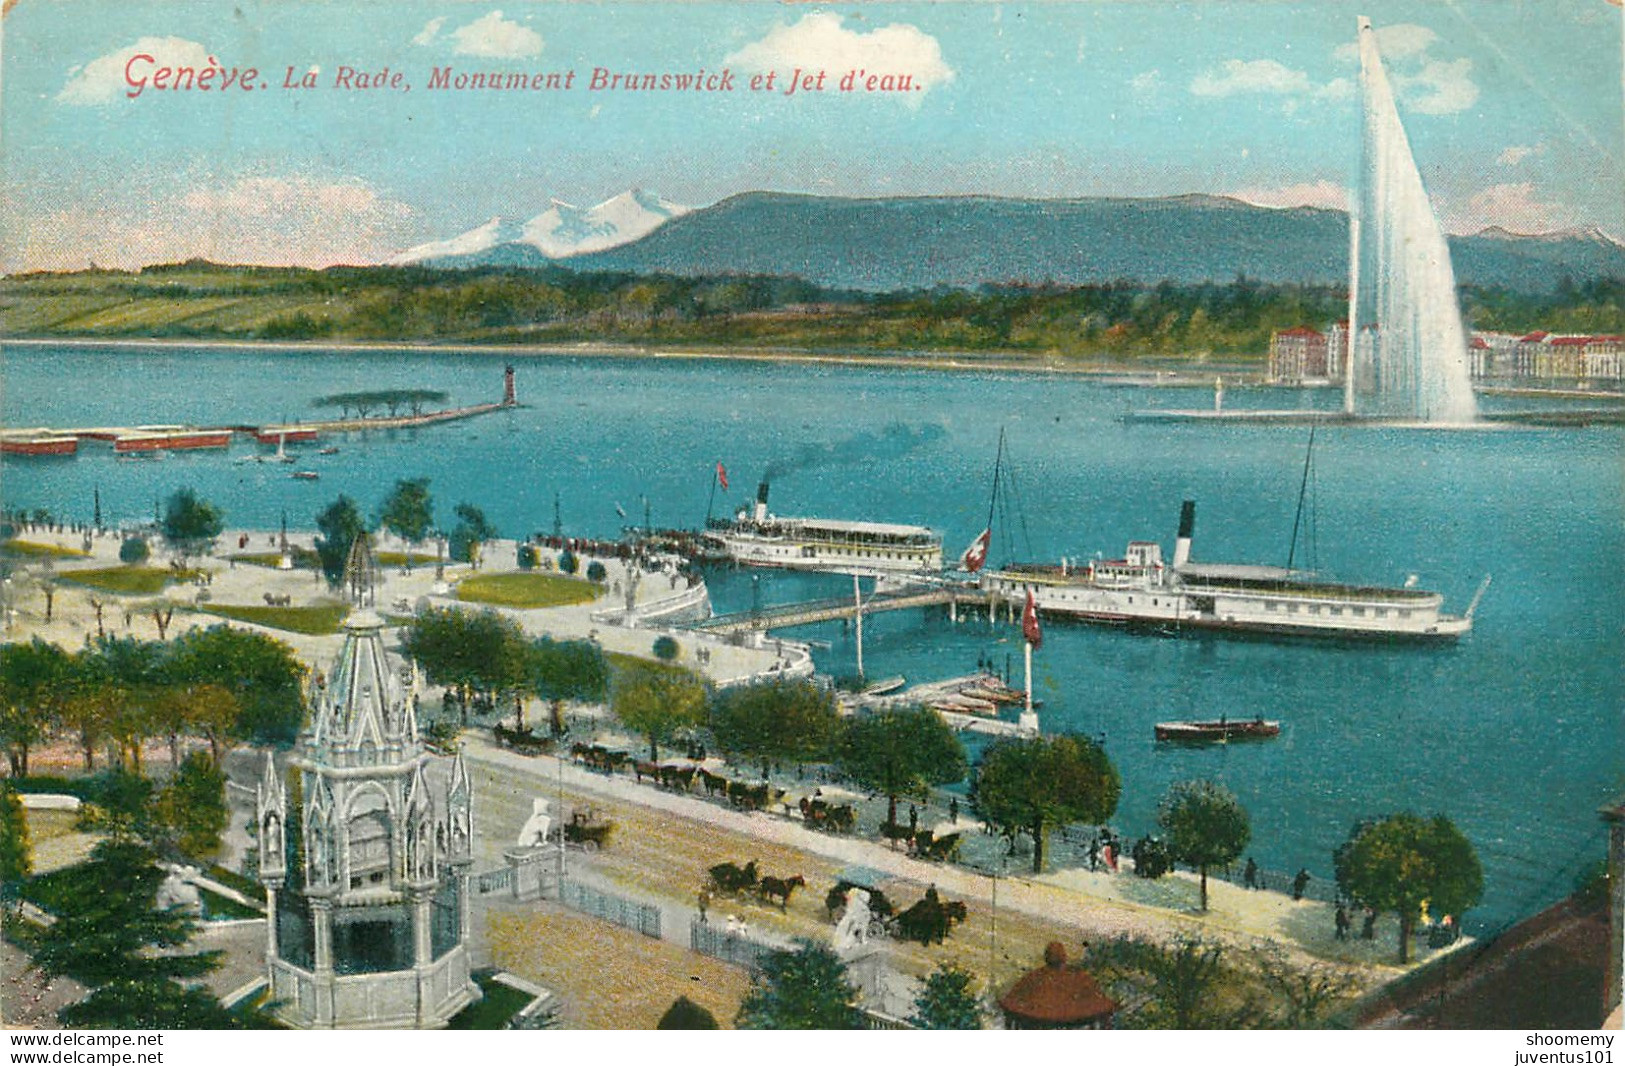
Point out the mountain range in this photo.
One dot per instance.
(921, 242)
(562, 230)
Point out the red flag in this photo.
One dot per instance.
(722, 477)
(975, 556)
(1029, 623)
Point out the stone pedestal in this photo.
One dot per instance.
(534, 871)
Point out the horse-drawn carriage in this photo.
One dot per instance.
(521, 740)
(928, 921)
(728, 879)
(588, 829)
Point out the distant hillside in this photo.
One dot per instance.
(910, 243)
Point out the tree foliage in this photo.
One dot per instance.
(1185, 984)
(104, 937)
(947, 1000)
(192, 807)
(666, 648)
(261, 674)
(33, 694)
(783, 720)
(1034, 784)
(16, 851)
(339, 525)
(408, 512)
(1403, 861)
(901, 753)
(133, 551)
(472, 651)
(801, 989)
(657, 702)
(190, 524)
(1206, 826)
(472, 530)
(567, 670)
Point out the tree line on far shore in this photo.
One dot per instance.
(551, 303)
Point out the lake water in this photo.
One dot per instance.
(1515, 733)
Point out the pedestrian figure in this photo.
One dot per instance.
(1094, 853)
(953, 810)
(913, 819)
(1368, 929)
(1249, 877)
(1342, 923)
(704, 902)
(1108, 851)
(1300, 883)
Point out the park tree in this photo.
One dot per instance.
(472, 530)
(34, 680)
(192, 807)
(684, 1013)
(1034, 784)
(901, 753)
(109, 937)
(1303, 995)
(666, 648)
(340, 525)
(657, 702)
(16, 852)
(801, 989)
(128, 677)
(566, 670)
(596, 573)
(783, 720)
(469, 651)
(190, 524)
(1206, 826)
(261, 674)
(947, 1000)
(1403, 861)
(408, 512)
(568, 562)
(1184, 984)
(133, 551)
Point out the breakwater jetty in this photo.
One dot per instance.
(152, 439)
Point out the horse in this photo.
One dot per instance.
(643, 769)
(842, 819)
(943, 849)
(731, 879)
(879, 905)
(677, 778)
(713, 783)
(774, 888)
(930, 920)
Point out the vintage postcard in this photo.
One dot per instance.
(1080, 515)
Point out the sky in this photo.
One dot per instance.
(1513, 109)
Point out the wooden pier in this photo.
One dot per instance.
(787, 615)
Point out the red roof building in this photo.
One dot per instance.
(1057, 996)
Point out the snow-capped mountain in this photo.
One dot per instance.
(560, 231)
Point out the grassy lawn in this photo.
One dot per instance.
(125, 580)
(526, 590)
(314, 621)
(303, 559)
(400, 559)
(498, 1003)
(29, 549)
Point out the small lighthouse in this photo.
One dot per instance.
(509, 399)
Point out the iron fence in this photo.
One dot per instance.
(719, 942)
(494, 881)
(626, 913)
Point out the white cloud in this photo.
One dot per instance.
(1424, 83)
(271, 221)
(1404, 40)
(1513, 154)
(821, 42)
(495, 37)
(430, 31)
(102, 80)
(1441, 87)
(1320, 193)
(1146, 83)
(1513, 206)
(1237, 76)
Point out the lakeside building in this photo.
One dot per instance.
(1305, 356)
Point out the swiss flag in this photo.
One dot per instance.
(1029, 623)
(722, 477)
(975, 556)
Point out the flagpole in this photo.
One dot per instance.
(713, 499)
(857, 610)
